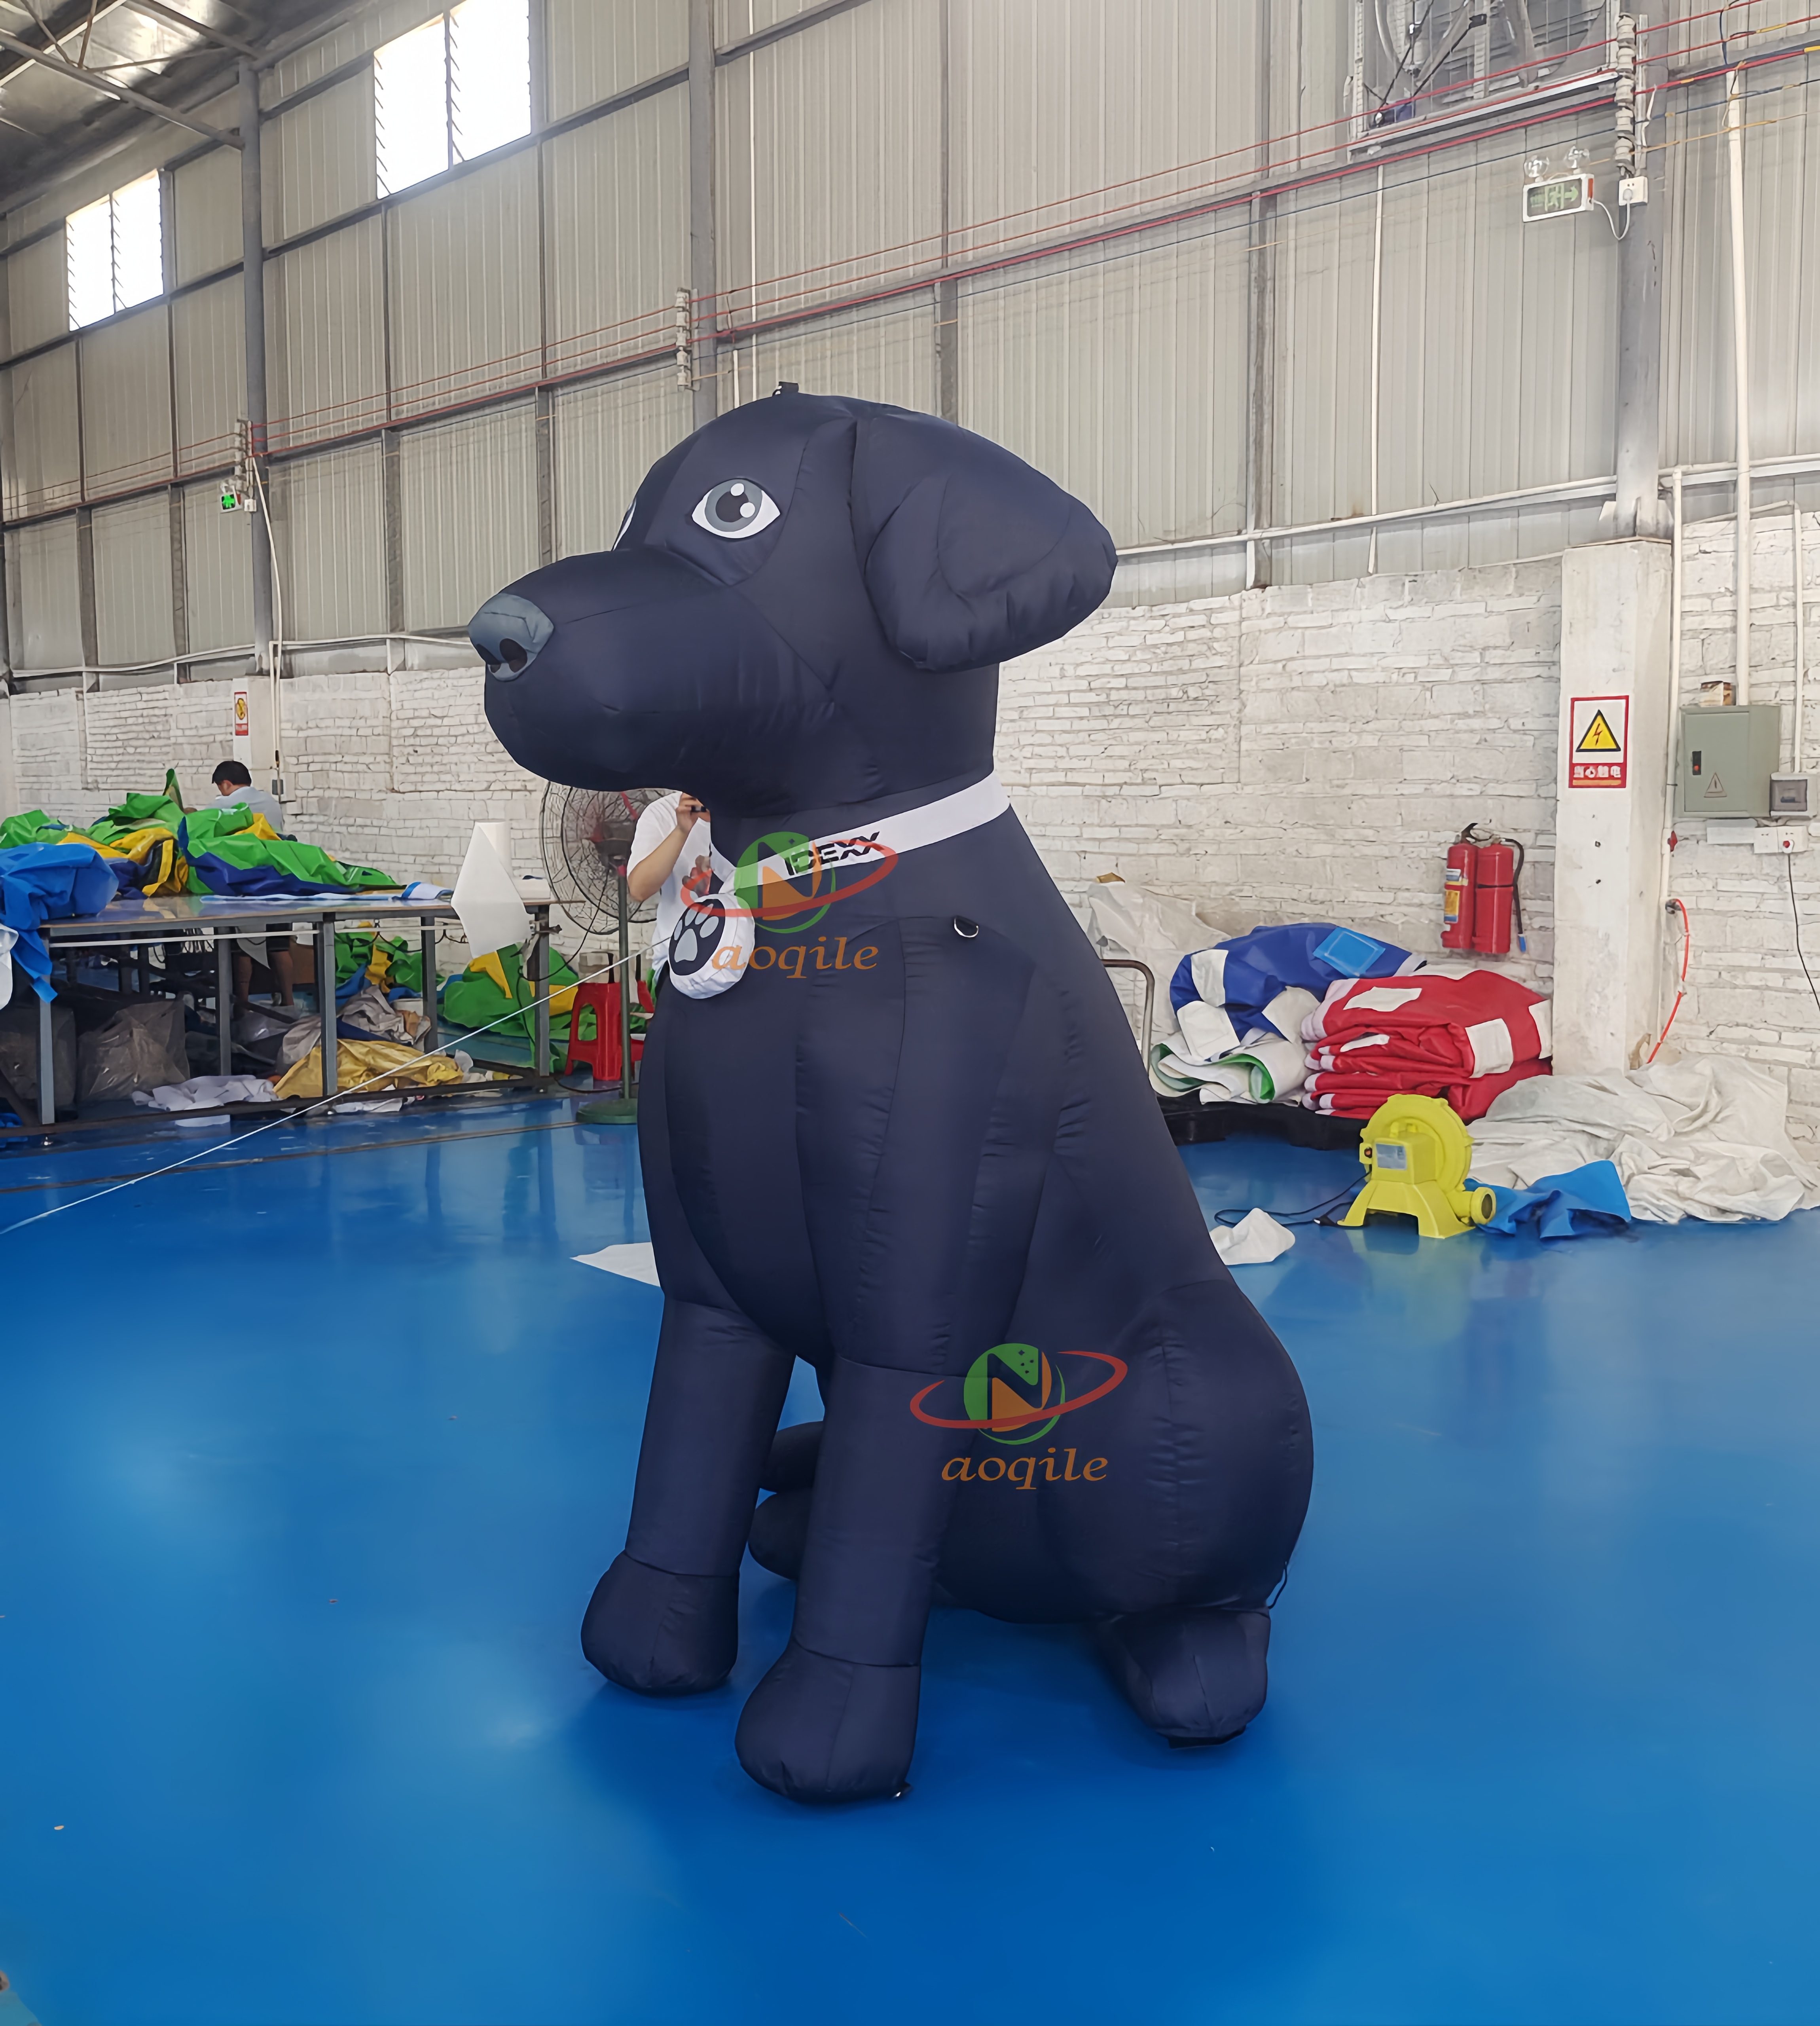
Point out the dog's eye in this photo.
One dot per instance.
(735, 508)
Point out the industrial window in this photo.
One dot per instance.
(451, 90)
(115, 251)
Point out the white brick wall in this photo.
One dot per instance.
(1309, 751)
(1303, 751)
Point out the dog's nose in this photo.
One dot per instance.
(508, 632)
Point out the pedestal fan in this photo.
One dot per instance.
(586, 834)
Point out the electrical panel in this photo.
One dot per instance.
(1728, 753)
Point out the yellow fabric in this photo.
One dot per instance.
(489, 966)
(379, 965)
(394, 1065)
(155, 841)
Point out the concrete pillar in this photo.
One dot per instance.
(1613, 806)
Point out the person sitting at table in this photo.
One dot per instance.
(234, 789)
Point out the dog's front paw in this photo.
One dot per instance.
(660, 1633)
(817, 1730)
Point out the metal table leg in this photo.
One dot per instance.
(46, 1067)
(224, 947)
(432, 1034)
(540, 1017)
(325, 1002)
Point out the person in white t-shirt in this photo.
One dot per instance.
(670, 843)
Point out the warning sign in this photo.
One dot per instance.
(1599, 740)
(242, 714)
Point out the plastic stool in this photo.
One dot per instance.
(601, 1054)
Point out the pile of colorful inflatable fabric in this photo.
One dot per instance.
(1465, 1039)
(1240, 1007)
(1340, 1022)
(155, 846)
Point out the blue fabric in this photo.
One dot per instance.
(40, 883)
(1565, 1206)
(1260, 965)
(250, 882)
(912, 1144)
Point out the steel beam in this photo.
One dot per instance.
(158, 11)
(253, 297)
(108, 89)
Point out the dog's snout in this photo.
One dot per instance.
(508, 632)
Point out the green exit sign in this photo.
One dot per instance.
(1560, 196)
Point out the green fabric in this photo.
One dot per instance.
(217, 831)
(354, 953)
(34, 828)
(135, 813)
(474, 999)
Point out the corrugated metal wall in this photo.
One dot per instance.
(44, 554)
(1107, 344)
(597, 52)
(616, 204)
(218, 571)
(605, 438)
(132, 559)
(828, 167)
(469, 493)
(329, 527)
(464, 289)
(1161, 333)
(39, 440)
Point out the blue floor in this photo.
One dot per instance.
(308, 1468)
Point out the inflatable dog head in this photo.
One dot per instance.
(806, 606)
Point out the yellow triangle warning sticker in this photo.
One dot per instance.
(1597, 737)
(1715, 787)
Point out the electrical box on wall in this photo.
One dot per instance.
(1728, 754)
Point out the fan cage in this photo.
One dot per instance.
(586, 836)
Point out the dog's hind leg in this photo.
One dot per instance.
(664, 1619)
(780, 1525)
(1195, 1673)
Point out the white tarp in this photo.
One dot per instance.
(1254, 1240)
(631, 1262)
(1705, 1137)
(1126, 920)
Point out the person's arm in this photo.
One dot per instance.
(643, 879)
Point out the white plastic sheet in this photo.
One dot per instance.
(195, 1094)
(1705, 1137)
(486, 898)
(631, 1262)
(1254, 1240)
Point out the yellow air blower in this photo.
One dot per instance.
(1417, 1152)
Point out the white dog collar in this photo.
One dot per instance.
(711, 947)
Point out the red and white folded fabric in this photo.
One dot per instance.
(1480, 1024)
(1352, 1093)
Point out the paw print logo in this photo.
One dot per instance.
(699, 930)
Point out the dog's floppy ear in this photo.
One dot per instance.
(969, 555)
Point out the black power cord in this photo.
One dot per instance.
(1794, 909)
(1315, 1214)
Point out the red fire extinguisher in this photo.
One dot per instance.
(1479, 896)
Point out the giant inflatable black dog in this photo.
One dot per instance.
(891, 1120)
